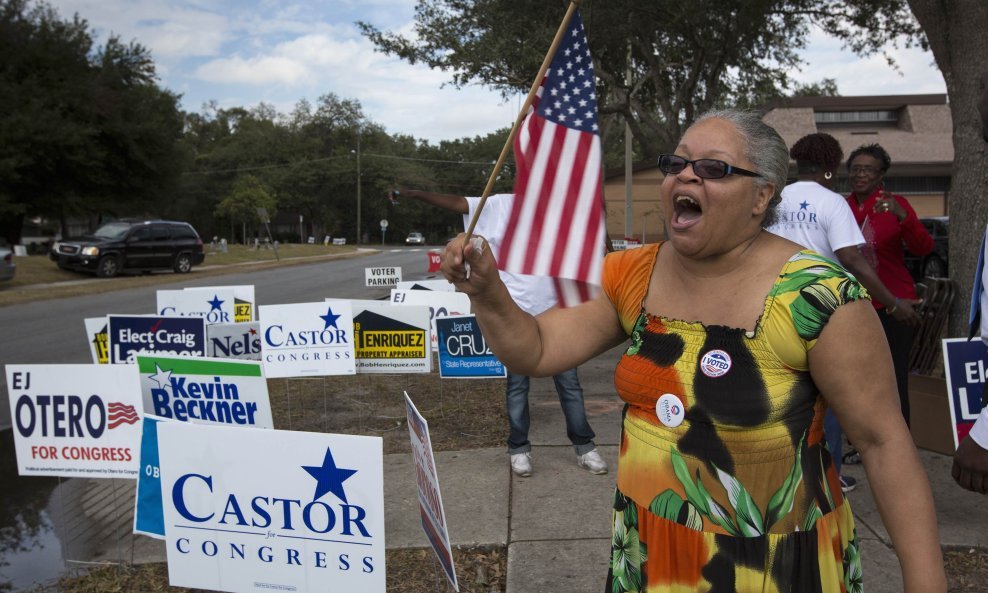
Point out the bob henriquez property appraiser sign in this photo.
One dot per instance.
(75, 420)
(270, 510)
(392, 339)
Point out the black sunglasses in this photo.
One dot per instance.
(704, 168)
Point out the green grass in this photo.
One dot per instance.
(38, 278)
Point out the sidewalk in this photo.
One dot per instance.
(556, 523)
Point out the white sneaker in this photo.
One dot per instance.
(521, 464)
(592, 462)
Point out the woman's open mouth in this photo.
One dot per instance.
(686, 213)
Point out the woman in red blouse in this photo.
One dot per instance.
(892, 226)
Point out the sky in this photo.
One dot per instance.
(243, 52)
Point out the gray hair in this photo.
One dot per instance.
(762, 146)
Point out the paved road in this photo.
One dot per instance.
(52, 331)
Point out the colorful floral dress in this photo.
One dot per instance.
(724, 481)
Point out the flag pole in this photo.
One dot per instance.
(573, 5)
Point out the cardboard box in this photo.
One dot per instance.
(929, 411)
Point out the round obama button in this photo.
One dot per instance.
(670, 410)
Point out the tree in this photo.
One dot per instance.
(85, 132)
(683, 58)
(955, 30)
(241, 204)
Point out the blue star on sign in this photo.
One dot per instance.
(329, 318)
(329, 478)
(215, 303)
(804, 205)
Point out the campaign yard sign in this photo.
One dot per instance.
(430, 499)
(441, 304)
(965, 364)
(392, 339)
(75, 420)
(442, 285)
(244, 303)
(205, 390)
(99, 340)
(149, 518)
(215, 305)
(307, 339)
(234, 340)
(149, 334)
(382, 276)
(463, 352)
(271, 510)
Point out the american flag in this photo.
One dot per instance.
(556, 226)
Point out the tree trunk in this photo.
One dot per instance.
(956, 31)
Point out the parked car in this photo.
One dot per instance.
(415, 238)
(934, 264)
(7, 265)
(131, 245)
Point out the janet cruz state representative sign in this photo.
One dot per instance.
(75, 420)
(205, 390)
(307, 339)
(269, 510)
(148, 334)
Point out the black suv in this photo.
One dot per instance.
(131, 245)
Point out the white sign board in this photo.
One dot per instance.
(244, 303)
(430, 499)
(75, 420)
(99, 339)
(307, 339)
(440, 303)
(443, 285)
(382, 276)
(234, 340)
(205, 390)
(271, 510)
(214, 305)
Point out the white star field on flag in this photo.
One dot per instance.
(569, 98)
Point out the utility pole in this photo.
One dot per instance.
(358, 184)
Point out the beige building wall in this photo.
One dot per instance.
(646, 215)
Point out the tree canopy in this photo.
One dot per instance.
(659, 65)
(86, 130)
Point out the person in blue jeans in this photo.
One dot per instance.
(534, 294)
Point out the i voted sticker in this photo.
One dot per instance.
(715, 363)
(669, 410)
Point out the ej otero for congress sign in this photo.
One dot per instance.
(269, 510)
(131, 334)
(966, 366)
(463, 352)
(75, 420)
(382, 276)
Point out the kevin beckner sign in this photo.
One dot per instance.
(382, 276)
